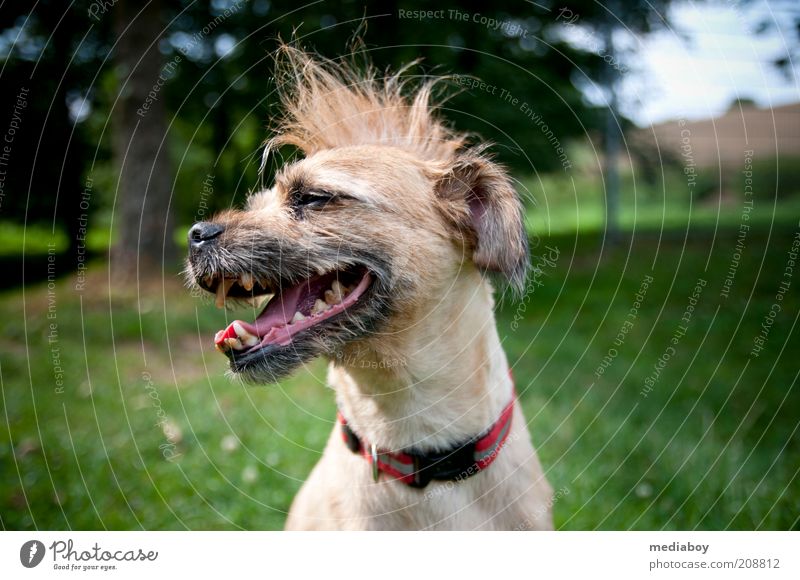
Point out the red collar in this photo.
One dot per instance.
(417, 468)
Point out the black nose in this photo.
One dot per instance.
(203, 232)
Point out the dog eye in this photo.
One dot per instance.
(311, 199)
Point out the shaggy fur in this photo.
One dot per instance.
(385, 186)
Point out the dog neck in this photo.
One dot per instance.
(442, 380)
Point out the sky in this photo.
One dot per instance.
(723, 58)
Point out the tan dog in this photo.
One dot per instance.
(375, 246)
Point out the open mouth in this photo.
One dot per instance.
(291, 310)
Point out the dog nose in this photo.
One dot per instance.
(203, 232)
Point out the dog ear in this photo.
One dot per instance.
(483, 204)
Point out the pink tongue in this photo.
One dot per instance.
(279, 312)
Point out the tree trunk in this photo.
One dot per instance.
(612, 137)
(142, 218)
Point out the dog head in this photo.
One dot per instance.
(372, 225)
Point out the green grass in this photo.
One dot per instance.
(713, 446)
(560, 204)
(17, 239)
(35, 239)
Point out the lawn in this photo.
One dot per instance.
(146, 430)
(560, 204)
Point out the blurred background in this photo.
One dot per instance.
(656, 146)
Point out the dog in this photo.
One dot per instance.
(376, 246)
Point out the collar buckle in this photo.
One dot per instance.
(373, 454)
(451, 465)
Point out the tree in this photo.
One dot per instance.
(44, 177)
(207, 116)
(144, 217)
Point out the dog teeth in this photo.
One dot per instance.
(246, 281)
(330, 298)
(222, 291)
(245, 337)
(319, 306)
(298, 316)
(338, 291)
(336, 294)
(233, 343)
